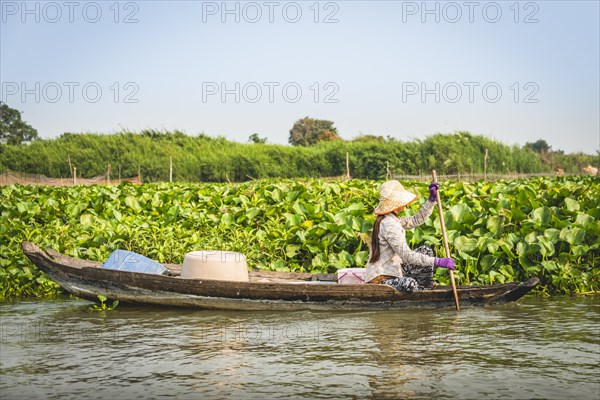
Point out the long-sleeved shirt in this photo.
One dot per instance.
(393, 249)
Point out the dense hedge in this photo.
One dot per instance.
(202, 158)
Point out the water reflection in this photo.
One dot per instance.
(533, 349)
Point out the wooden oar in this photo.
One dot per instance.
(445, 237)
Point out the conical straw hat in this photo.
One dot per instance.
(393, 196)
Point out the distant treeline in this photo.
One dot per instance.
(204, 158)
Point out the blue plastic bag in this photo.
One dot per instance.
(124, 260)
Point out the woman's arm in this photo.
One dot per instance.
(419, 218)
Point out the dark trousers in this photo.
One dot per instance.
(416, 277)
(422, 274)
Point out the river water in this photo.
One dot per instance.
(536, 348)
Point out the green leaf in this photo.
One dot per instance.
(549, 266)
(173, 211)
(356, 209)
(458, 211)
(531, 238)
(117, 215)
(361, 258)
(51, 203)
(355, 223)
(488, 261)
(572, 205)
(552, 234)
(580, 250)
(465, 244)
(24, 207)
(291, 250)
(252, 212)
(507, 271)
(319, 261)
(507, 248)
(518, 215)
(522, 249)
(299, 209)
(497, 276)
(345, 259)
(523, 197)
(227, 219)
(431, 240)
(466, 257)
(541, 215)
(547, 246)
(507, 213)
(573, 236)
(366, 226)
(133, 203)
(73, 210)
(278, 265)
(86, 219)
(493, 247)
(292, 219)
(276, 195)
(584, 219)
(494, 223)
(292, 196)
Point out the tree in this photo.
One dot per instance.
(369, 138)
(254, 138)
(540, 147)
(308, 131)
(13, 130)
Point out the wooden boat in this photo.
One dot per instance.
(266, 290)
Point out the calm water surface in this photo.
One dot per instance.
(537, 348)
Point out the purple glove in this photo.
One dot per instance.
(433, 188)
(444, 263)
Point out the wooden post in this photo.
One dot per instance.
(119, 173)
(485, 165)
(445, 238)
(347, 166)
(170, 168)
(74, 176)
(108, 174)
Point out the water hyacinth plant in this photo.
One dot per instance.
(498, 232)
(103, 306)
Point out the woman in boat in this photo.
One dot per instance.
(391, 261)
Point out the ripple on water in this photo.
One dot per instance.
(537, 348)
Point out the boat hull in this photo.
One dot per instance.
(86, 279)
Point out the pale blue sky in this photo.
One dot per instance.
(375, 61)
